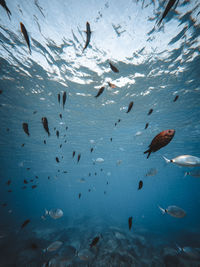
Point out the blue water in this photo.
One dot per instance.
(155, 63)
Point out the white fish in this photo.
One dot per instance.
(138, 133)
(99, 160)
(53, 213)
(174, 211)
(53, 247)
(185, 160)
(193, 253)
(193, 173)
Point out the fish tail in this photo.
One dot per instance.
(162, 210)
(166, 160)
(149, 153)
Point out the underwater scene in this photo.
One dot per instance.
(100, 133)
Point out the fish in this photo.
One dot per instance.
(167, 9)
(130, 220)
(115, 124)
(91, 149)
(94, 241)
(59, 98)
(26, 37)
(60, 145)
(184, 160)
(176, 98)
(146, 126)
(53, 213)
(100, 91)
(25, 181)
(73, 154)
(33, 246)
(150, 111)
(111, 139)
(53, 247)
(159, 141)
(25, 223)
(25, 128)
(88, 35)
(31, 180)
(111, 85)
(60, 115)
(151, 172)
(1, 91)
(45, 125)
(130, 107)
(34, 112)
(64, 99)
(8, 182)
(113, 68)
(174, 211)
(189, 252)
(36, 177)
(9, 191)
(119, 120)
(100, 160)
(89, 190)
(22, 145)
(79, 156)
(79, 195)
(4, 5)
(140, 185)
(34, 186)
(193, 173)
(57, 160)
(45, 142)
(57, 134)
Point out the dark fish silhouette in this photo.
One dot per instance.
(60, 145)
(25, 128)
(94, 241)
(8, 182)
(167, 9)
(3, 4)
(130, 220)
(146, 126)
(115, 124)
(57, 159)
(150, 111)
(140, 185)
(9, 191)
(36, 177)
(64, 98)
(119, 120)
(25, 223)
(100, 91)
(73, 154)
(91, 149)
(59, 98)
(111, 139)
(34, 112)
(113, 68)
(160, 140)
(1, 92)
(45, 142)
(79, 195)
(45, 125)
(60, 115)
(34, 186)
(130, 107)
(176, 97)
(79, 156)
(57, 134)
(33, 246)
(88, 35)
(25, 182)
(89, 190)
(22, 145)
(24, 31)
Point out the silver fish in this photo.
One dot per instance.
(53, 247)
(53, 213)
(174, 211)
(184, 160)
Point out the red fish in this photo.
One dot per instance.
(160, 140)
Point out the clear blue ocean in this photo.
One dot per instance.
(85, 88)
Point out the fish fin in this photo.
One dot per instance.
(186, 173)
(149, 153)
(166, 160)
(162, 210)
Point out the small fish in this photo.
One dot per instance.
(152, 172)
(66, 128)
(25, 181)
(53, 247)
(25, 223)
(150, 111)
(60, 115)
(25, 128)
(176, 98)
(88, 35)
(9, 191)
(73, 154)
(100, 160)
(45, 142)
(28, 169)
(60, 145)
(57, 159)
(184, 160)
(31, 180)
(104, 192)
(91, 149)
(146, 126)
(94, 241)
(3, 4)
(59, 98)
(1, 91)
(79, 195)
(34, 186)
(159, 141)
(24, 31)
(45, 125)
(89, 174)
(167, 9)
(64, 171)
(79, 156)
(34, 112)
(8, 182)
(57, 134)
(111, 85)
(113, 68)
(193, 173)
(115, 124)
(95, 173)
(119, 120)
(89, 190)
(54, 213)
(130, 220)
(140, 185)
(36, 177)
(100, 91)
(130, 107)
(111, 139)
(173, 211)
(34, 246)
(64, 99)
(22, 145)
